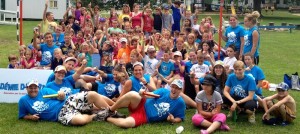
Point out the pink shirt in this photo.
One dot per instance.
(31, 60)
(136, 20)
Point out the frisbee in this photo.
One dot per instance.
(152, 95)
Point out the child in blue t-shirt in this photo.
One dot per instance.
(165, 67)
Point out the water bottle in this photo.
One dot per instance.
(179, 130)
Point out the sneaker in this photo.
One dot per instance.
(224, 127)
(251, 118)
(284, 123)
(102, 115)
(203, 132)
(118, 115)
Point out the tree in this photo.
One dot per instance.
(257, 6)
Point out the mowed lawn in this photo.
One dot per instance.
(279, 54)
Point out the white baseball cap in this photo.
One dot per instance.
(123, 40)
(178, 83)
(33, 82)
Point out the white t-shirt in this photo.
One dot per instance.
(149, 64)
(200, 70)
(229, 62)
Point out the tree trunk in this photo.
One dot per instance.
(257, 6)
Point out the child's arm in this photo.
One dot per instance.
(45, 11)
(77, 74)
(171, 74)
(203, 113)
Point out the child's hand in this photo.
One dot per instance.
(84, 62)
(192, 74)
(266, 116)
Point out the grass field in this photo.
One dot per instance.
(279, 53)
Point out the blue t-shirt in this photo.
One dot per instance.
(188, 66)
(136, 84)
(47, 109)
(109, 88)
(66, 86)
(52, 76)
(257, 74)
(158, 109)
(58, 40)
(240, 88)
(249, 41)
(176, 14)
(47, 54)
(165, 68)
(234, 36)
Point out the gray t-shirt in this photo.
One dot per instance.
(167, 20)
(209, 105)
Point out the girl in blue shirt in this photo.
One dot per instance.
(252, 36)
(234, 34)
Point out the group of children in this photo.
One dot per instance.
(166, 50)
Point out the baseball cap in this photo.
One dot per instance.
(123, 40)
(33, 82)
(102, 19)
(282, 86)
(151, 48)
(178, 83)
(219, 62)
(209, 80)
(177, 53)
(138, 63)
(60, 68)
(166, 7)
(71, 59)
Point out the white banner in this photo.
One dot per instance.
(13, 82)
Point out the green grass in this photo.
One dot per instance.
(278, 55)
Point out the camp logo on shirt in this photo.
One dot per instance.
(46, 57)
(239, 91)
(110, 89)
(231, 37)
(66, 90)
(247, 41)
(162, 108)
(40, 106)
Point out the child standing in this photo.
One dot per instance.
(176, 15)
(167, 19)
(209, 107)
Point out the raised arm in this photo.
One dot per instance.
(45, 10)
(77, 74)
(34, 43)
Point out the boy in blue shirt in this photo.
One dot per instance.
(146, 107)
(165, 67)
(176, 14)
